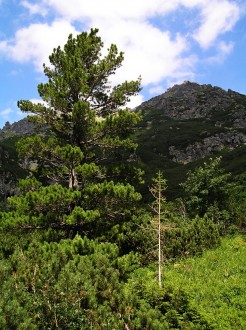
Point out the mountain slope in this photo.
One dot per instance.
(10, 168)
(189, 123)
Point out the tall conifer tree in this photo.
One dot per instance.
(83, 111)
(85, 152)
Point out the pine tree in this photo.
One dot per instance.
(84, 155)
(205, 187)
(83, 112)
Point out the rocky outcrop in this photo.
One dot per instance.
(208, 146)
(239, 116)
(19, 128)
(205, 118)
(191, 100)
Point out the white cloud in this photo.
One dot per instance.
(223, 50)
(217, 17)
(39, 101)
(150, 51)
(6, 113)
(135, 101)
(36, 42)
(11, 113)
(36, 101)
(15, 72)
(156, 90)
(3, 46)
(20, 114)
(34, 8)
(111, 9)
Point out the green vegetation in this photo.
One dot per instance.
(81, 178)
(78, 242)
(206, 187)
(157, 133)
(9, 159)
(215, 283)
(81, 284)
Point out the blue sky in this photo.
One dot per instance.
(165, 41)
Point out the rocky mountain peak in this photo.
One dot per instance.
(19, 128)
(184, 89)
(190, 100)
(191, 121)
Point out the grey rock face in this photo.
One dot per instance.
(191, 100)
(220, 114)
(18, 128)
(208, 146)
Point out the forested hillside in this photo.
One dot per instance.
(89, 238)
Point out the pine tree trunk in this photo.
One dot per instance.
(73, 180)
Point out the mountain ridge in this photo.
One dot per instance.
(191, 100)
